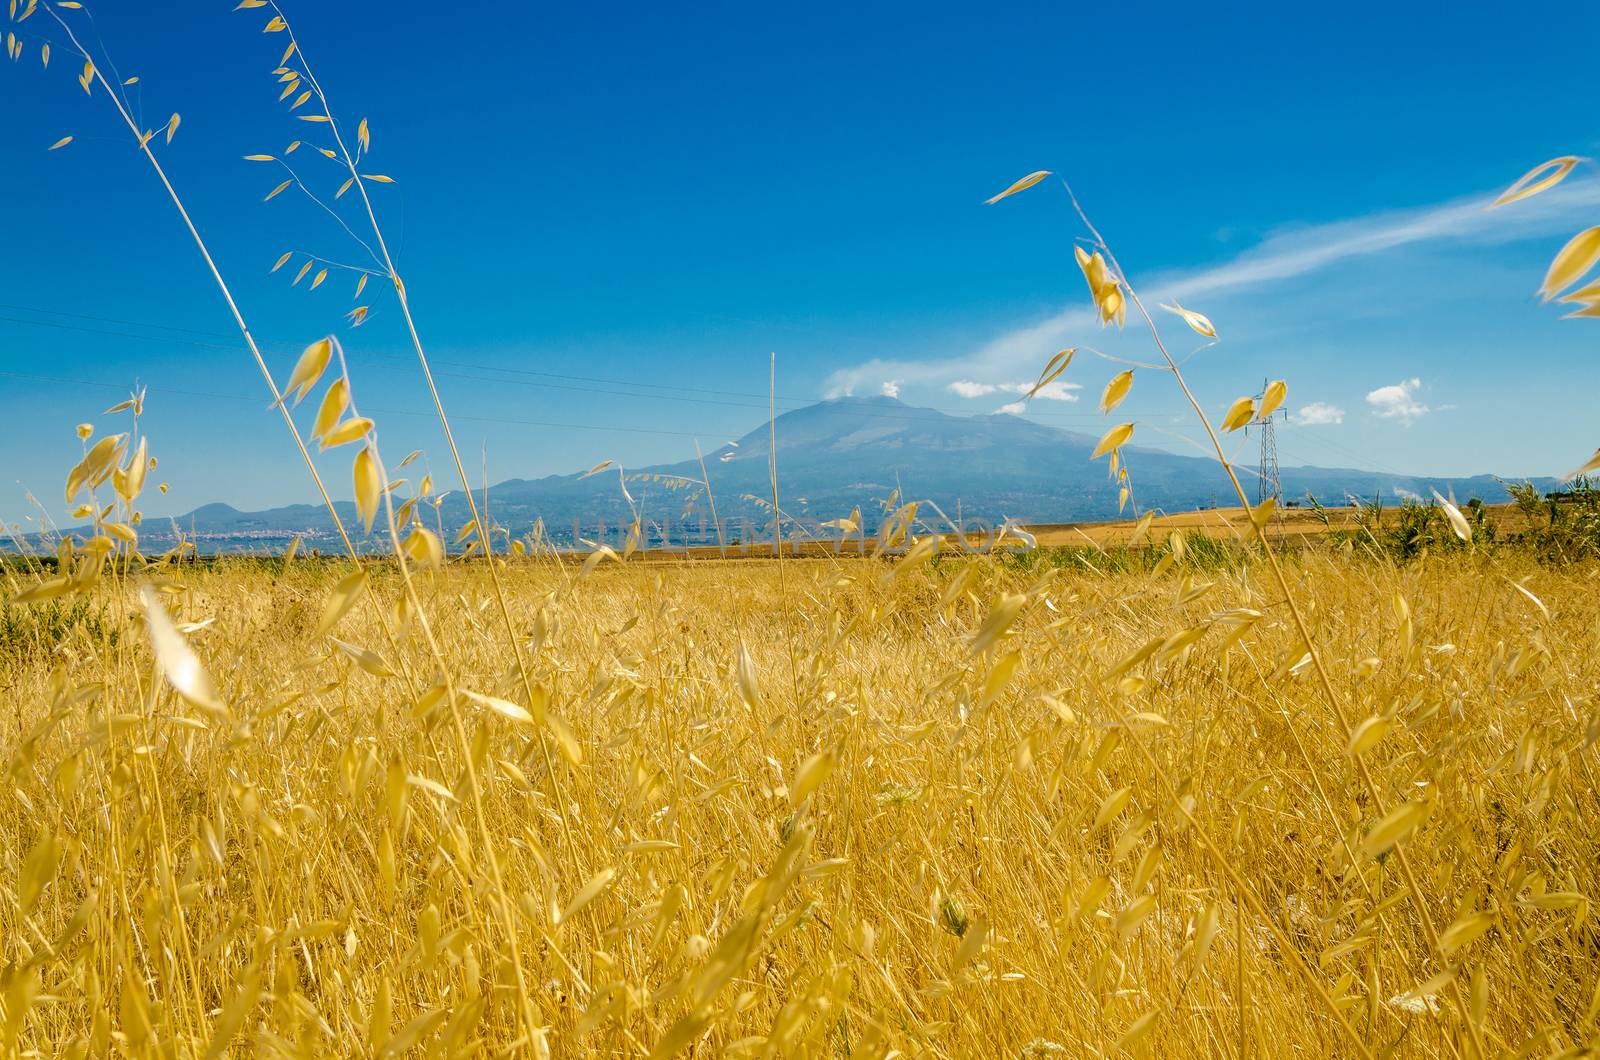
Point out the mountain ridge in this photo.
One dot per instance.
(835, 456)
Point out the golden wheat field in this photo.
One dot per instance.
(831, 809)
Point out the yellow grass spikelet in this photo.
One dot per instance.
(1542, 177)
(1116, 390)
(1571, 263)
(1115, 438)
(1396, 826)
(749, 683)
(1199, 322)
(312, 363)
(368, 479)
(1022, 185)
(1272, 398)
(503, 707)
(341, 600)
(1239, 414)
(353, 429)
(178, 662)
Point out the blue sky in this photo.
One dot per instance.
(608, 216)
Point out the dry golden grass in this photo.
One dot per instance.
(1288, 525)
(870, 839)
(1247, 804)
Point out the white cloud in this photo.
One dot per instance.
(1398, 402)
(1055, 390)
(1014, 409)
(1279, 257)
(1319, 413)
(891, 388)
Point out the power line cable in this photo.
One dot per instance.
(372, 360)
(791, 402)
(386, 411)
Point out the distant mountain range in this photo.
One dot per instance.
(835, 456)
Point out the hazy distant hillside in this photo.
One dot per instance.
(845, 453)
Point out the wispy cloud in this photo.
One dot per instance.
(1398, 401)
(1055, 390)
(1318, 414)
(1282, 256)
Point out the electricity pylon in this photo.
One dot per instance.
(1268, 483)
